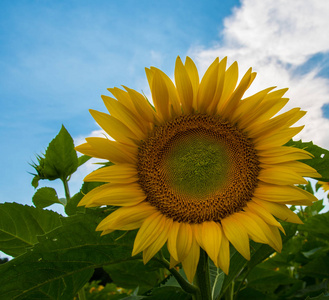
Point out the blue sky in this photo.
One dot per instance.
(58, 57)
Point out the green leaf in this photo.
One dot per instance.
(314, 290)
(267, 281)
(61, 159)
(35, 181)
(320, 162)
(169, 293)
(317, 226)
(71, 207)
(217, 277)
(318, 268)
(83, 159)
(65, 258)
(314, 209)
(323, 296)
(250, 293)
(45, 197)
(133, 273)
(20, 225)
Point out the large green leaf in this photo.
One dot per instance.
(65, 257)
(133, 273)
(20, 225)
(267, 281)
(320, 162)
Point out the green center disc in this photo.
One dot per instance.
(196, 165)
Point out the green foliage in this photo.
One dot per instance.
(20, 226)
(132, 273)
(55, 256)
(60, 160)
(45, 197)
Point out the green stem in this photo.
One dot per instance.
(81, 294)
(241, 284)
(188, 288)
(229, 294)
(202, 279)
(67, 190)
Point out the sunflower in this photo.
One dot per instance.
(202, 168)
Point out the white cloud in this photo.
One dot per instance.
(276, 38)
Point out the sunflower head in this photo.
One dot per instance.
(203, 167)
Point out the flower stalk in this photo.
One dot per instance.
(202, 279)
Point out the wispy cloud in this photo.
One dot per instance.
(278, 38)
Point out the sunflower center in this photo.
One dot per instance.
(197, 168)
(196, 165)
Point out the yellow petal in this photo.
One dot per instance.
(142, 106)
(197, 232)
(232, 103)
(212, 108)
(160, 96)
(298, 167)
(277, 237)
(211, 239)
(263, 213)
(174, 102)
(230, 81)
(184, 86)
(277, 94)
(123, 97)
(279, 210)
(194, 78)
(277, 139)
(284, 194)
(281, 176)
(224, 255)
(151, 250)
(114, 127)
(282, 154)
(114, 194)
(149, 232)
(237, 235)
(253, 229)
(259, 231)
(120, 112)
(248, 105)
(173, 262)
(207, 87)
(272, 104)
(111, 150)
(121, 173)
(273, 239)
(184, 241)
(264, 111)
(172, 240)
(127, 217)
(190, 263)
(274, 125)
